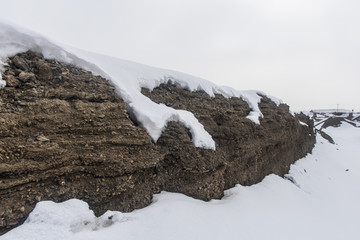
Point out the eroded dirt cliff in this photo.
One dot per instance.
(64, 133)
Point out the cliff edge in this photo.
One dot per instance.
(65, 133)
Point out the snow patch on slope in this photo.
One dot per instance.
(128, 78)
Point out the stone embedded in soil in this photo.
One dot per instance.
(66, 134)
(26, 76)
(20, 63)
(11, 81)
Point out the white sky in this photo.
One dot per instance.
(305, 52)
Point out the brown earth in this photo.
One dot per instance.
(64, 133)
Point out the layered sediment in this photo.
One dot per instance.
(65, 133)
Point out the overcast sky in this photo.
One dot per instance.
(305, 52)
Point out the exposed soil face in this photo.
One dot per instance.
(245, 152)
(64, 133)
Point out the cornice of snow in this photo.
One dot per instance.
(128, 78)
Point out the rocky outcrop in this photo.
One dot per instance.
(64, 133)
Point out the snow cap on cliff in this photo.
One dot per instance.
(128, 78)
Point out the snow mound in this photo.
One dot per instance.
(63, 220)
(128, 78)
(68, 213)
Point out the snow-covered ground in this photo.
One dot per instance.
(320, 117)
(318, 199)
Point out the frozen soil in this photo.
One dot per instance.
(65, 133)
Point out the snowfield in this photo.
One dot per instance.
(128, 78)
(318, 199)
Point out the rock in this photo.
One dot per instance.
(11, 81)
(44, 71)
(2, 223)
(58, 79)
(98, 154)
(26, 76)
(42, 138)
(20, 63)
(57, 70)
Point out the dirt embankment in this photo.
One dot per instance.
(64, 133)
